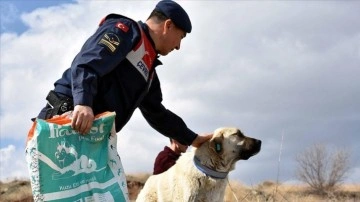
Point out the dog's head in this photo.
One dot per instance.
(225, 148)
(231, 143)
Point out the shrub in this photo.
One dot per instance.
(322, 170)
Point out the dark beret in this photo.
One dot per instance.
(176, 13)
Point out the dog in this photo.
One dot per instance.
(201, 175)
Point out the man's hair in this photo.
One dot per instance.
(158, 16)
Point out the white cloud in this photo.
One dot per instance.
(12, 163)
(262, 66)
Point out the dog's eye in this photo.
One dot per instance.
(218, 147)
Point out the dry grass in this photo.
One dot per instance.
(20, 191)
(17, 190)
(270, 191)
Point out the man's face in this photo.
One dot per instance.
(171, 38)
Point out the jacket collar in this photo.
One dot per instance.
(145, 28)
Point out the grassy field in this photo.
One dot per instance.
(20, 191)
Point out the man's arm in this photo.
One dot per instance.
(100, 54)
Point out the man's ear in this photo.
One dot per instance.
(216, 144)
(167, 25)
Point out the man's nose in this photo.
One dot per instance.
(178, 46)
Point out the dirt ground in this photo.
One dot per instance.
(20, 191)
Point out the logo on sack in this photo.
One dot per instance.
(57, 131)
(65, 154)
(68, 162)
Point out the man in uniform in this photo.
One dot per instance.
(115, 71)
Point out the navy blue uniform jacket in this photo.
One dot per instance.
(103, 78)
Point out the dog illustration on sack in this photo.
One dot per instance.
(65, 154)
(69, 163)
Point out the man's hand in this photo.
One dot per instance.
(82, 119)
(200, 139)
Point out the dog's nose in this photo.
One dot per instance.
(258, 144)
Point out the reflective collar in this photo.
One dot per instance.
(209, 172)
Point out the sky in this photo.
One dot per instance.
(285, 72)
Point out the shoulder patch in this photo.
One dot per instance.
(111, 41)
(122, 26)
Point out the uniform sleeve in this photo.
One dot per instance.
(162, 119)
(100, 54)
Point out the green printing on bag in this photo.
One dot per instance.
(77, 165)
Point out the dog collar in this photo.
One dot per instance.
(208, 171)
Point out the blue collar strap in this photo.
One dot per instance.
(209, 172)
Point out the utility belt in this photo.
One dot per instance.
(58, 104)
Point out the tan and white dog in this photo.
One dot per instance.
(201, 174)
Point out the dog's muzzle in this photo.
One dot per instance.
(253, 148)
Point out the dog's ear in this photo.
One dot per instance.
(216, 144)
